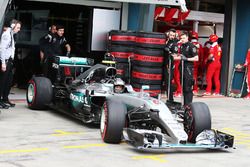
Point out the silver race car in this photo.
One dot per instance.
(97, 96)
(149, 123)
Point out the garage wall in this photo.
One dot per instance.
(242, 38)
(141, 17)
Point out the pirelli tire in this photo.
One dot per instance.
(154, 90)
(123, 71)
(197, 118)
(121, 53)
(150, 40)
(39, 93)
(148, 57)
(117, 37)
(145, 75)
(113, 118)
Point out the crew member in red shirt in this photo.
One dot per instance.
(177, 76)
(247, 65)
(214, 66)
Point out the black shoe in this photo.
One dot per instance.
(8, 103)
(3, 105)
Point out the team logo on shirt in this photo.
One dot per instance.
(194, 50)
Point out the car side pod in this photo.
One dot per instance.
(153, 140)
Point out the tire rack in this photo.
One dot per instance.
(145, 50)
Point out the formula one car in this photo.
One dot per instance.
(143, 121)
(80, 96)
(148, 123)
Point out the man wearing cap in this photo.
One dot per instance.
(214, 66)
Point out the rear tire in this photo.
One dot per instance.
(39, 93)
(196, 119)
(112, 121)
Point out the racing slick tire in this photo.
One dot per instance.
(39, 93)
(113, 119)
(150, 40)
(145, 75)
(148, 57)
(122, 37)
(196, 119)
(121, 53)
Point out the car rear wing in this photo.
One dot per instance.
(73, 61)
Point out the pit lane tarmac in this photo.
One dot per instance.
(31, 138)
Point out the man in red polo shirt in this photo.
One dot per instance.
(247, 65)
(214, 66)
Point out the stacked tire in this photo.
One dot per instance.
(148, 62)
(121, 46)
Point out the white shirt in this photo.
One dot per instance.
(7, 45)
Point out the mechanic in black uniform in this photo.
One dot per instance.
(59, 47)
(45, 44)
(188, 54)
(171, 50)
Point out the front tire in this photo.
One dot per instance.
(112, 121)
(39, 93)
(196, 119)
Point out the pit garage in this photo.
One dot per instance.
(83, 20)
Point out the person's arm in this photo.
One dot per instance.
(193, 52)
(5, 41)
(195, 58)
(68, 48)
(41, 56)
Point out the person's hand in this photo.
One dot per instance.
(246, 64)
(3, 67)
(184, 58)
(210, 59)
(68, 54)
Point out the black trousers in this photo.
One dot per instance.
(188, 83)
(6, 78)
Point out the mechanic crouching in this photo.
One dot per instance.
(188, 54)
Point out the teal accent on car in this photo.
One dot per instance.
(73, 61)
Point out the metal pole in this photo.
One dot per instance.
(182, 77)
(169, 75)
(196, 23)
